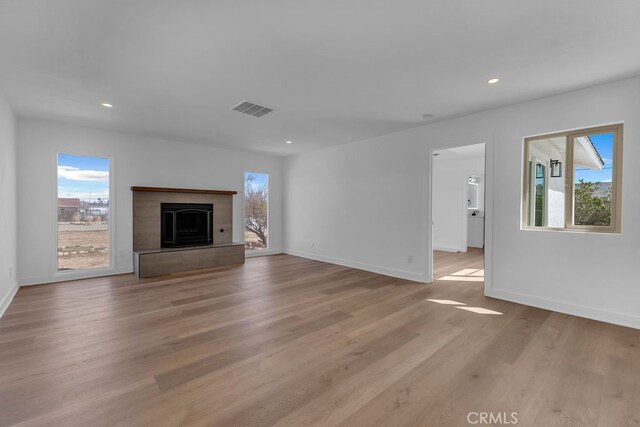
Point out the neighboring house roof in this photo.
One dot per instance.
(586, 155)
(68, 203)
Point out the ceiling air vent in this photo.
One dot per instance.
(252, 109)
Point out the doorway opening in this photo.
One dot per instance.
(458, 215)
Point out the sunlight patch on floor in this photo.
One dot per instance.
(446, 301)
(463, 306)
(480, 310)
(461, 279)
(465, 275)
(465, 272)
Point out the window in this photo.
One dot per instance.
(83, 213)
(256, 210)
(573, 181)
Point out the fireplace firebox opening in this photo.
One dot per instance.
(186, 224)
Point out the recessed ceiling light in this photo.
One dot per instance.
(107, 105)
(427, 116)
(493, 80)
(289, 142)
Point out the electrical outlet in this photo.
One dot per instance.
(409, 259)
(10, 272)
(313, 243)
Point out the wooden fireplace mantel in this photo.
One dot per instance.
(183, 190)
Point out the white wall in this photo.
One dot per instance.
(364, 205)
(8, 204)
(360, 205)
(137, 160)
(450, 212)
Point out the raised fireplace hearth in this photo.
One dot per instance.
(186, 224)
(178, 229)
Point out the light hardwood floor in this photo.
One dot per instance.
(287, 341)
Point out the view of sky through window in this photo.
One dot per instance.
(83, 177)
(604, 145)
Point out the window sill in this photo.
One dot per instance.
(572, 230)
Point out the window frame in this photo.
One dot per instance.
(244, 186)
(86, 272)
(569, 175)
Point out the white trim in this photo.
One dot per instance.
(592, 313)
(8, 298)
(401, 274)
(252, 253)
(465, 217)
(488, 214)
(427, 225)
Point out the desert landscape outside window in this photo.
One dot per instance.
(83, 213)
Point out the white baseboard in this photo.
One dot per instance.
(407, 275)
(65, 277)
(4, 304)
(262, 252)
(621, 319)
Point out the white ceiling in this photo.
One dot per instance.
(336, 71)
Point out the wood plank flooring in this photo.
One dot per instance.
(287, 341)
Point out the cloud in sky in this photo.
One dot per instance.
(76, 174)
